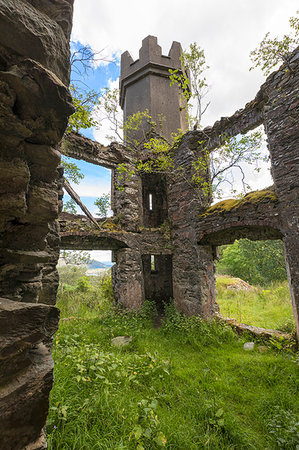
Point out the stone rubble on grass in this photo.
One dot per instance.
(248, 346)
(121, 341)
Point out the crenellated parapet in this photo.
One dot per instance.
(150, 59)
(145, 85)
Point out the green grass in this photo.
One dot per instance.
(186, 385)
(267, 308)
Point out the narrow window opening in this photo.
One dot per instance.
(150, 199)
(153, 263)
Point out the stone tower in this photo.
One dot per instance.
(145, 85)
(167, 263)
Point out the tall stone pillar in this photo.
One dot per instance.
(187, 274)
(194, 290)
(281, 125)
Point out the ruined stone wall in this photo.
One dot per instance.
(281, 124)
(193, 266)
(194, 228)
(276, 106)
(35, 105)
(256, 216)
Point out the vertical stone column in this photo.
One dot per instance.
(281, 125)
(126, 274)
(127, 197)
(193, 267)
(35, 105)
(127, 278)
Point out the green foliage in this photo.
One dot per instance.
(186, 385)
(258, 262)
(75, 257)
(284, 427)
(106, 287)
(124, 173)
(231, 155)
(146, 433)
(103, 205)
(108, 109)
(83, 284)
(192, 82)
(194, 330)
(136, 123)
(274, 51)
(70, 206)
(212, 170)
(84, 103)
(69, 274)
(71, 171)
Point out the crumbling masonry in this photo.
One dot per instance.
(163, 234)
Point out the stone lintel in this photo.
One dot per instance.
(79, 147)
(242, 121)
(77, 233)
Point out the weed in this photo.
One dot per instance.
(186, 385)
(284, 428)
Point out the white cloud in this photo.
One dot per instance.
(101, 255)
(227, 30)
(106, 128)
(93, 187)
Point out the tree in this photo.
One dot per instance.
(221, 163)
(192, 82)
(258, 262)
(84, 103)
(103, 204)
(70, 206)
(274, 51)
(75, 258)
(226, 161)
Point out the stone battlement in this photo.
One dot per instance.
(150, 54)
(145, 85)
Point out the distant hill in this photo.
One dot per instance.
(108, 263)
(98, 265)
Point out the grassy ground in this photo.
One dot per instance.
(267, 308)
(185, 385)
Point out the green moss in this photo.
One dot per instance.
(253, 198)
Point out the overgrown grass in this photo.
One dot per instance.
(267, 308)
(186, 385)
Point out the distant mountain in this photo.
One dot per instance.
(108, 263)
(98, 265)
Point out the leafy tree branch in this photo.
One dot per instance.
(274, 51)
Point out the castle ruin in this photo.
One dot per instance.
(163, 235)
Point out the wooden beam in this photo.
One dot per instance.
(77, 199)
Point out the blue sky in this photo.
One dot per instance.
(227, 31)
(97, 179)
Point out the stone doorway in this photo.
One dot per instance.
(157, 273)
